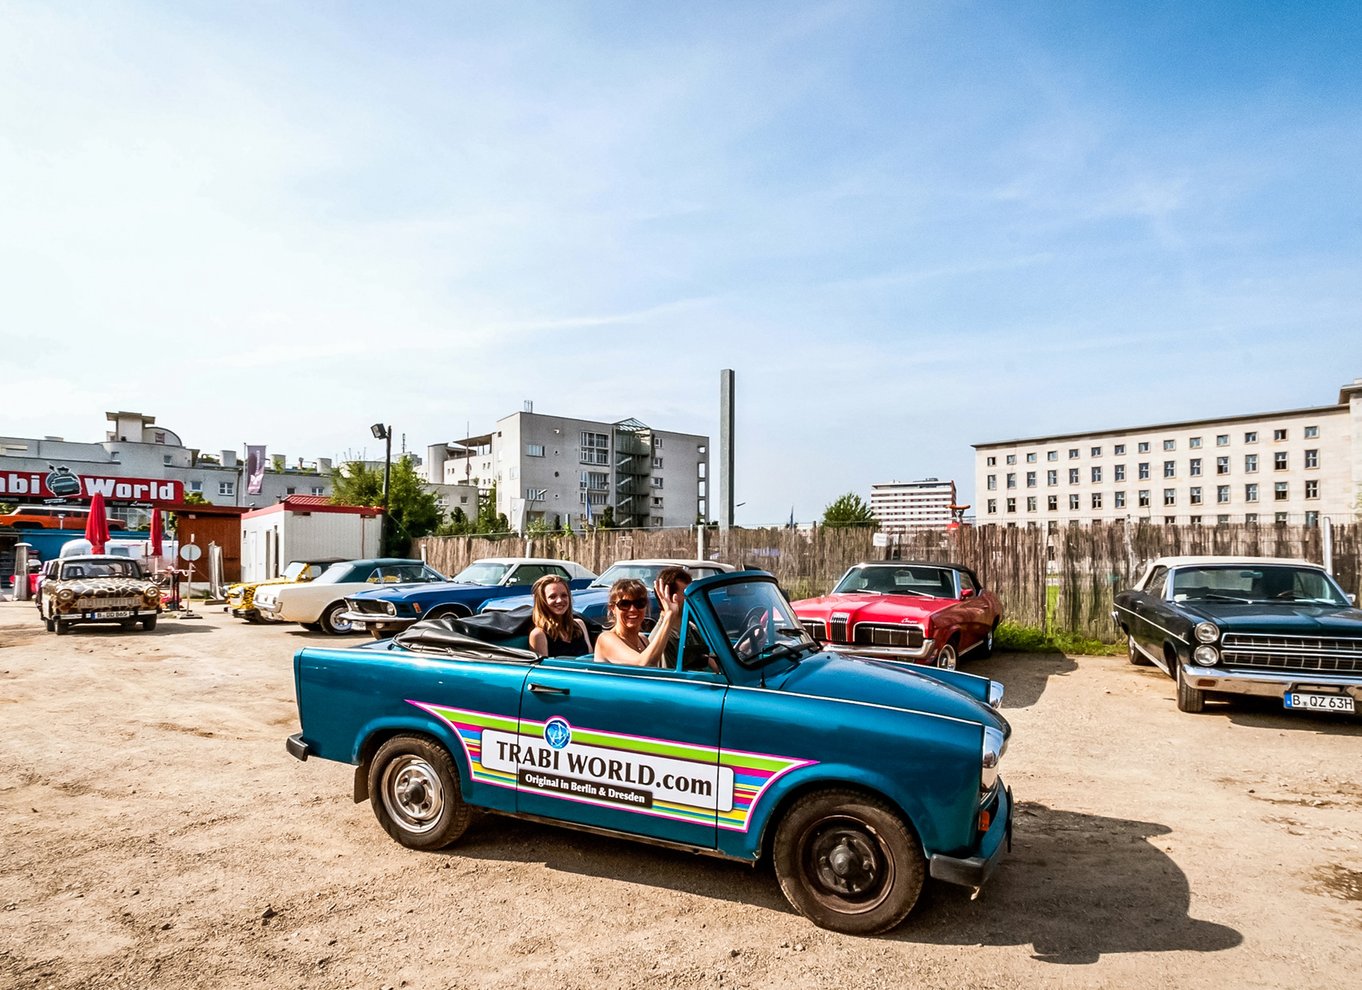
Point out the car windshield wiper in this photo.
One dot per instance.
(1224, 598)
(789, 650)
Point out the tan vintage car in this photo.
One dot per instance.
(98, 588)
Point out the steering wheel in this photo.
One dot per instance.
(754, 635)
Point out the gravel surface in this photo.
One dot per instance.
(156, 834)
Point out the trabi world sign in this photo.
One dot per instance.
(61, 482)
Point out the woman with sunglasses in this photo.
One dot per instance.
(625, 641)
(556, 632)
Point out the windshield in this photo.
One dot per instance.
(1268, 582)
(79, 570)
(916, 579)
(647, 573)
(294, 570)
(758, 622)
(483, 572)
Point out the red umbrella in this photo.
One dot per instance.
(96, 525)
(156, 533)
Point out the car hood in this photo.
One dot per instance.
(594, 598)
(1290, 618)
(874, 608)
(876, 682)
(418, 590)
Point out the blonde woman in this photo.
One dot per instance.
(625, 642)
(556, 632)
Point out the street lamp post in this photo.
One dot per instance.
(384, 433)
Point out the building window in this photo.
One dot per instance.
(1052, 455)
(1251, 492)
(1097, 500)
(1073, 502)
(1222, 494)
(1312, 518)
(1194, 467)
(1311, 432)
(1012, 505)
(657, 442)
(992, 506)
(1170, 445)
(657, 462)
(1097, 452)
(1222, 439)
(1251, 436)
(1052, 503)
(1143, 498)
(992, 482)
(1073, 476)
(596, 481)
(1312, 488)
(1052, 478)
(1120, 498)
(196, 486)
(290, 490)
(1031, 457)
(1143, 471)
(1031, 503)
(991, 462)
(534, 450)
(1073, 453)
(1170, 469)
(1312, 458)
(1119, 472)
(1223, 518)
(1222, 465)
(1279, 491)
(1012, 458)
(1250, 463)
(1278, 434)
(1119, 450)
(1194, 495)
(1142, 447)
(1096, 475)
(1170, 496)
(1030, 479)
(1194, 443)
(536, 494)
(318, 490)
(1279, 461)
(226, 487)
(595, 448)
(1251, 518)
(657, 481)
(1011, 479)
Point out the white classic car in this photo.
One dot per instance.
(320, 604)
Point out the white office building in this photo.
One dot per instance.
(1295, 466)
(905, 505)
(552, 468)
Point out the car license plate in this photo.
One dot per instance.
(1320, 702)
(123, 613)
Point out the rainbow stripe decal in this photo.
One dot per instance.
(659, 777)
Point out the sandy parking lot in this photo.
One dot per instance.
(156, 834)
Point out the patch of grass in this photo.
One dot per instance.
(1028, 639)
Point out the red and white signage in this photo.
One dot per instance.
(62, 483)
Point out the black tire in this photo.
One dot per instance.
(59, 627)
(986, 647)
(458, 611)
(149, 623)
(378, 631)
(332, 624)
(1191, 700)
(128, 625)
(949, 657)
(848, 862)
(1133, 653)
(51, 624)
(311, 626)
(414, 789)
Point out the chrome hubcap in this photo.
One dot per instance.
(412, 793)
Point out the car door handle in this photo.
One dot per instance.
(548, 689)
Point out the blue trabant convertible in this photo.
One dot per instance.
(858, 778)
(1269, 627)
(384, 611)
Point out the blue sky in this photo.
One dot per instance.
(907, 227)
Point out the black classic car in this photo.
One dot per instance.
(1246, 625)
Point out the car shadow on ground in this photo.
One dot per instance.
(167, 626)
(1075, 886)
(1022, 675)
(1268, 713)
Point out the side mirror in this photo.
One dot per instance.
(967, 593)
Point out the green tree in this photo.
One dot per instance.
(490, 521)
(848, 511)
(606, 520)
(195, 498)
(413, 510)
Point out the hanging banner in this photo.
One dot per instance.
(255, 469)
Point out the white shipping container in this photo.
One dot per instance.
(301, 528)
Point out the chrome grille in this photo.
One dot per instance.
(837, 629)
(1316, 654)
(90, 602)
(868, 634)
(815, 628)
(367, 606)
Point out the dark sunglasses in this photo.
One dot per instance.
(632, 603)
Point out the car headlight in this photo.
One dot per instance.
(152, 594)
(1206, 632)
(995, 744)
(65, 595)
(1206, 656)
(390, 607)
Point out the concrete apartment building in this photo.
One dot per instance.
(905, 505)
(550, 468)
(1295, 466)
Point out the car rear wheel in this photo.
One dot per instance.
(986, 648)
(1133, 653)
(848, 862)
(331, 621)
(1190, 699)
(414, 788)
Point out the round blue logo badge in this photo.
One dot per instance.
(557, 733)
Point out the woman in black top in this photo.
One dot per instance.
(556, 632)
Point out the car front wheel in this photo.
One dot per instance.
(331, 621)
(948, 659)
(848, 862)
(414, 788)
(1191, 700)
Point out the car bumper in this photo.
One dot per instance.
(387, 623)
(298, 749)
(1269, 684)
(974, 871)
(911, 653)
(268, 610)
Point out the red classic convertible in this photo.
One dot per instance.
(903, 610)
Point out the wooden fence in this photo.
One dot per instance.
(1087, 564)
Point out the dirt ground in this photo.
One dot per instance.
(156, 834)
